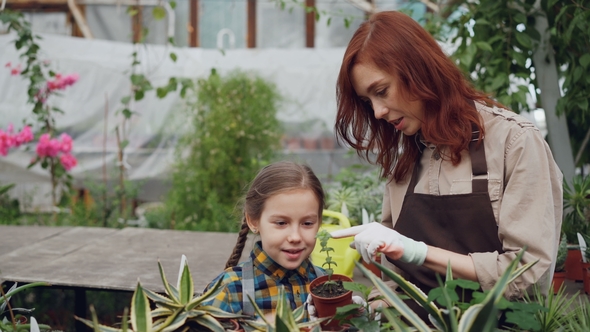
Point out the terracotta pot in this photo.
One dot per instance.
(326, 307)
(372, 267)
(558, 280)
(586, 273)
(573, 266)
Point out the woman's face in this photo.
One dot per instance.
(381, 90)
(288, 226)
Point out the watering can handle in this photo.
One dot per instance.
(342, 219)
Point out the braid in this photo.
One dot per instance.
(241, 242)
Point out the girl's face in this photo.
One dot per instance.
(288, 226)
(382, 91)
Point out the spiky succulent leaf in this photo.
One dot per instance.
(186, 288)
(167, 286)
(161, 312)
(141, 318)
(210, 294)
(284, 315)
(98, 327)
(393, 299)
(209, 322)
(125, 321)
(410, 289)
(218, 313)
(160, 299)
(177, 322)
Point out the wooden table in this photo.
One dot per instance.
(110, 259)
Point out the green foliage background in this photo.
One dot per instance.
(234, 132)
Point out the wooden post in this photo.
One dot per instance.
(309, 24)
(193, 39)
(137, 24)
(251, 15)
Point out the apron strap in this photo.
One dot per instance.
(248, 288)
(479, 166)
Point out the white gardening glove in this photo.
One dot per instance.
(374, 237)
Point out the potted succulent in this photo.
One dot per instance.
(328, 292)
(178, 310)
(285, 318)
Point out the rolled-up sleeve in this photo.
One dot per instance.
(529, 215)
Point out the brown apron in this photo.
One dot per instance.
(463, 223)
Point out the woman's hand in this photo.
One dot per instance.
(374, 237)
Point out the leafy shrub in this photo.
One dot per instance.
(358, 187)
(234, 132)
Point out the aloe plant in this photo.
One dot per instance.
(286, 319)
(177, 310)
(480, 317)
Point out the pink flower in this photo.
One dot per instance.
(9, 140)
(61, 82)
(13, 70)
(48, 147)
(68, 161)
(66, 143)
(25, 136)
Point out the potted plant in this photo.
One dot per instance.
(446, 312)
(576, 206)
(13, 319)
(328, 292)
(559, 272)
(178, 310)
(285, 318)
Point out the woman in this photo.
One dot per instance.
(470, 182)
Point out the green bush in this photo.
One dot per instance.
(234, 132)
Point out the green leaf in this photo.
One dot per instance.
(161, 92)
(585, 60)
(139, 94)
(393, 299)
(132, 11)
(141, 319)
(186, 286)
(125, 100)
(484, 46)
(172, 4)
(173, 56)
(524, 40)
(127, 113)
(166, 284)
(159, 13)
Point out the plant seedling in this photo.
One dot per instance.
(324, 236)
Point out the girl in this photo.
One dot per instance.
(284, 205)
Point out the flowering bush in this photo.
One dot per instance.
(53, 154)
(56, 148)
(9, 140)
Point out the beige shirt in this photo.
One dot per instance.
(525, 187)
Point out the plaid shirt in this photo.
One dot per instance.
(268, 277)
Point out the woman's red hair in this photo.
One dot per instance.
(396, 43)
